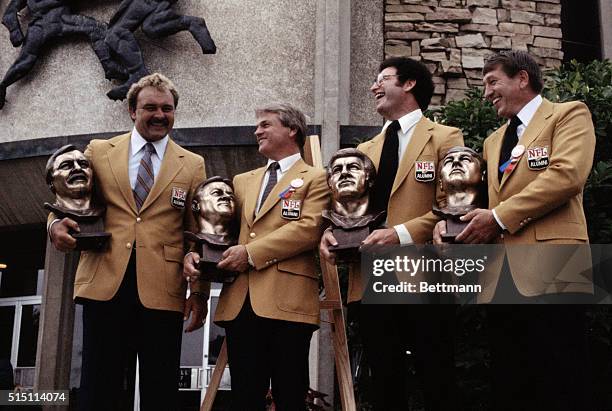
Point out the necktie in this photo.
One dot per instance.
(387, 169)
(510, 140)
(272, 179)
(145, 177)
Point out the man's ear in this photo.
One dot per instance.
(132, 113)
(523, 79)
(409, 85)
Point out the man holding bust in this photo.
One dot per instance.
(538, 164)
(133, 294)
(406, 154)
(270, 311)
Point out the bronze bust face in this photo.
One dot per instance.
(350, 175)
(70, 178)
(462, 179)
(214, 206)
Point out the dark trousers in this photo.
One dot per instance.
(113, 332)
(260, 351)
(539, 358)
(427, 331)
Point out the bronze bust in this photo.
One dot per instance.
(214, 208)
(70, 177)
(462, 179)
(350, 176)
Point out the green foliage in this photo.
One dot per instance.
(591, 83)
(475, 116)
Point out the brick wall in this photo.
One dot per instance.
(452, 37)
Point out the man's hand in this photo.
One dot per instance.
(482, 228)
(383, 236)
(197, 307)
(235, 258)
(190, 262)
(328, 239)
(60, 234)
(438, 231)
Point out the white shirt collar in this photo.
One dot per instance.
(287, 162)
(407, 121)
(138, 142)
(529, 110)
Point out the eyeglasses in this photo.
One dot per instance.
(383, 77)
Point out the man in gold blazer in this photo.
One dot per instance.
(538, 164)
(133, 293)
(270, 311)
(408, 144)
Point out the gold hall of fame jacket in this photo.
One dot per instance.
(156, 231)
(540, 201)
(411, 201)
(283, 283)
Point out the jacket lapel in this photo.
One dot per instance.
(533, 130)
(294, 172)
(170, 167)
(118, 162)
(252, 194)
(493, 161)
(373, 148)
(420, 137)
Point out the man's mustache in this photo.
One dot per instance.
(158, 122)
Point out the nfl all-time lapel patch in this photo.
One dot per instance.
(291, 209)
(424, 171)
(537, 158)
(179, 197)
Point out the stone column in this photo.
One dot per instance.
(332, 71)
(54, 352)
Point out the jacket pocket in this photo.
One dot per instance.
(173, 263)
(298, 267)
(89, 262)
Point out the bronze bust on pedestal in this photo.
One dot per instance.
(462, 178)
(70, 177)
(350, 176)
(214, 209)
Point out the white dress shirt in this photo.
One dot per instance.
(137, 143)
(285, 164)
(525, 115)
(407, 123)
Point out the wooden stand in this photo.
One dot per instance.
(331, 302)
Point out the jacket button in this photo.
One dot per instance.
(128, 245)
(138, 219)
(252, 235)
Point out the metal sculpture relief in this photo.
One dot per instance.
(51, 19)
(114, 44)
(157, 19)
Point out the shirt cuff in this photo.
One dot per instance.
(249, 259)
(49, 228)
(499, 222)
(403, 234)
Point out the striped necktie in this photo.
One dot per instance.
(272, 180)
(145, 177)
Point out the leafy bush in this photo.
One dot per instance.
(475, 116)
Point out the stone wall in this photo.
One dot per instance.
(453, 37)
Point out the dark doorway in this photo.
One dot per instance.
(581, 30)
